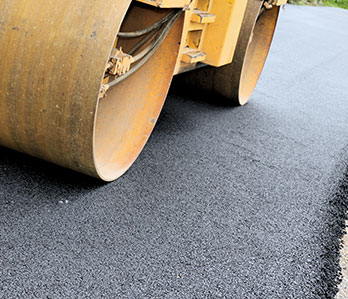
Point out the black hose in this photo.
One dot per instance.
(148, 29)
(159, 39)
(142, 42)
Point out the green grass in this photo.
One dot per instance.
(334, 3)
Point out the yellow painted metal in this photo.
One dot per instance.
(167, 3)
(250, 56)
(56, 52)
(236, 81)
(221, 37)
(52, 67)
(192, 36)
(202, 17)
(281, 2)
(215, 25)
(192, 56)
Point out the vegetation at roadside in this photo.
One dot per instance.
(334, 3)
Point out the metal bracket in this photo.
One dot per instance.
(270, 3)
(120, 63)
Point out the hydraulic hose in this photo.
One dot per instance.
(149, 51)
(148, 29)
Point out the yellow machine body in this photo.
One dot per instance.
(57, 69)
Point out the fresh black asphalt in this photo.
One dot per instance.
(223, 203)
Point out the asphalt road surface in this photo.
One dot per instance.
(223, 203)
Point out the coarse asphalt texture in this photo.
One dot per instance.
(224, 202)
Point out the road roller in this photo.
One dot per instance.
(83, 81)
